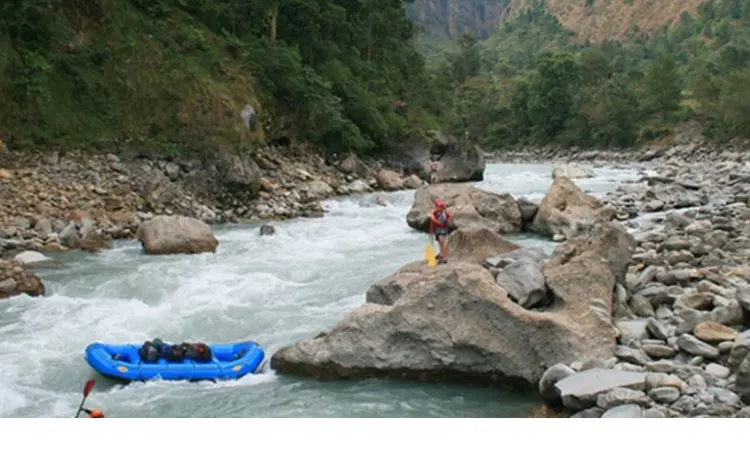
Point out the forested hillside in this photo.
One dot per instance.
(174, 75)
(536, 82)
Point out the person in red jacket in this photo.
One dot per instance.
(439, 219)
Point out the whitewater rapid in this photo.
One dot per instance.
(274, 290)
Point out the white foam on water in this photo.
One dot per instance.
(533, 180)
(273, 290)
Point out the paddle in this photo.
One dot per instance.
(429, 254)
(87, 388)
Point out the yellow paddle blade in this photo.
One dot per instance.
(429, 255)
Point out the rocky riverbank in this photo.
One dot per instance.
(82, 201)
(685, 150)
(54, 202)
(643, 310)
(59, 201)
(683, 346)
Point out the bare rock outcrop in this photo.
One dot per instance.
(455, 322)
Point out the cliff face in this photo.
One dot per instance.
(450, 18)
(598, 20)
(595, 20)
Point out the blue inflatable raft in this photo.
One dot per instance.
(228, 361)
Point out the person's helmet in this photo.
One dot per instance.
(96, 414)
(439, 204)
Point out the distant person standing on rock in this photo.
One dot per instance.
(432, 169)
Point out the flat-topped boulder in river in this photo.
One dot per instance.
(456, 322)
(176, 234)
(471, 208)
(35, 260)
(473, 245)
(572, 170)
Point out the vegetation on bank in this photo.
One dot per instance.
(174, 75)
(532, 84)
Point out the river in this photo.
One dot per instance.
(274, 290)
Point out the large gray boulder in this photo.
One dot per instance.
(524, 281)
(472, 245)
(456, 322)
(567, 211)
(238, 170)
(458, 159)
(176, 235)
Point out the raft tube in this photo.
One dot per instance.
(229, 361)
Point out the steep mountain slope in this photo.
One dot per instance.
(449, 18)
(445, 20)
(598, 20)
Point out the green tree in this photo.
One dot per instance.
(467, 62)
(706, 88)
(595, 66)
(730, 115)
(612, 114)
(662, 88)
(551, 94)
